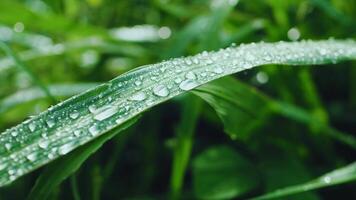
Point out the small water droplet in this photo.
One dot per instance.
(92, 108)
(50, 123)
(178, 80)
(327, 179)
(94, 130)
(65, 149)
(188, 84)
(32, 127)
(14, 133)
(8, 146)
(43, 144)
(139, 96)
(3, 166)
(77, 133)
(218, 70)
(138, 83)
(161, 91)
(75, 114)
(32, 157)
(190, 75)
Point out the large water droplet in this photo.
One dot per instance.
(106, 113)
(161, 91)
(139, 96)
(188, 84)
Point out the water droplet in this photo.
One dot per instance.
(218, 70)
(3, 166)
(14, 133)
(92, 108)
(32, 157)
(75, 114)
(138, 83)
(119, 121)
(139, 96)
(327, 179)
(32, 127)
(188, 84)
(77, 133)
(190, 75)
(94, 130)
(50, 123)
(11, 172)
(8, 146)
(161, 91)
(106, 113)
(65, 149)
(178, 80)
(43, 144)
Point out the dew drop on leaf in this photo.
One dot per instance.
(106, 113)
(190, 75)
(32, 127)
(75, 114)
(188, 84)
(93, 130)
(50, 123)
(14, 133)
(161, 91)
(43, 144)
(65, 149)
(139, 96)
(32, 157)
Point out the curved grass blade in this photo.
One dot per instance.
(82, 118)
(62, 168)
(338, 176)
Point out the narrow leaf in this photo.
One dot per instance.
(85, 117)
(339, 176)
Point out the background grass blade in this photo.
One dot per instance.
(23, 66)
(33, 94)
(338, 176)
(184, 144)
(85, 117)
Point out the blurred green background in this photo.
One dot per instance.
(71, 45)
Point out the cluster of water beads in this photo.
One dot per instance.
(153, 84)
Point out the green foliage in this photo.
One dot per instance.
(263, 133)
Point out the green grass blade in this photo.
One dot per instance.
(338, 176)
(183, 146)
(23, 66)
(62, 168)
(82, 118)
(221, 172)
